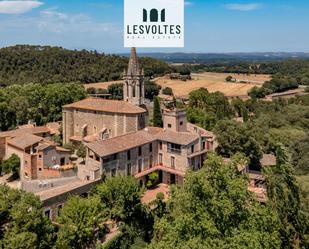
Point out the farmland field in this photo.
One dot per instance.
(214, 82)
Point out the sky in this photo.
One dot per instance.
(211, 26)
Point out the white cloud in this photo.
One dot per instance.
(54, 21)
(18, 7)
(243, 7)
(51, 13)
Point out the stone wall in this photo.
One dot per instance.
(116, 124)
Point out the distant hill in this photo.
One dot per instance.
(203, 58)
(24, 64)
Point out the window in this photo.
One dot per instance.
(160, 145)
(47, 213)
(140, 165)
(40, 156)
(113, 172)
(192, 148)
(160, 158)
(174, 148)
(129, 169)
(150, 147)
(203, 145)
(150, 161)
(139, 151)
(62, 161)
(40, 169)
(128, 155)
(59, 209)
(181, 123)
(169, 126)
(173, 164)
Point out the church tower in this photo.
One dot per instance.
(133, 87)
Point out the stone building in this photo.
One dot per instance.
(170, 151)
(98, 119)
(39, 158)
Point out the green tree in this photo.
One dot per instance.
(81, 222)
(229, 78)
(157, 115)
(215, 210)
(81, 151)
(167, 91)
(151, 89)
(116, 90)
(284, 198)
(23, 224)
(234, 137)
(11, 165)
(122, 198)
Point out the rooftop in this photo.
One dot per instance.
(104, 105)
(25, 129)
(136, 139)
(25, 140)
(67, 188)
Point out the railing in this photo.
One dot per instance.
(111, 164)
(174, 151)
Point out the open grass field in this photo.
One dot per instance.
(252, 78)
(102, 85)
(214, 82)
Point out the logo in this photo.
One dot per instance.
(154, 23)
(154, 16)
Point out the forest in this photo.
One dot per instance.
(36, 102)
(24, 64)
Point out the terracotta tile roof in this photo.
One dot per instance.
(203, 132)
(43, 146)
(62, 149)
(136, 139)
(104, 105)
(21, 131)
(76, 138)
(121, 143)
(182, 138)
(268, 160)
(54, 127)
(65, 189)
(25, 140)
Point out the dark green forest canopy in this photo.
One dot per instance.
(36, 102)
(23, 64)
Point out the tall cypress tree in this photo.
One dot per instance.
(157, 115)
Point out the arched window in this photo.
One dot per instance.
(154, 16)
(134, 91)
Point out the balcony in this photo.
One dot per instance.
(111, 164)
(174, 151)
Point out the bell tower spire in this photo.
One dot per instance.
(133, 87)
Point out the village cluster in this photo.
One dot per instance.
(118, 142)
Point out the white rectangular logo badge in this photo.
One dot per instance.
(154, 23)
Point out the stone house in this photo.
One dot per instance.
(39, 158)
(169, 151)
